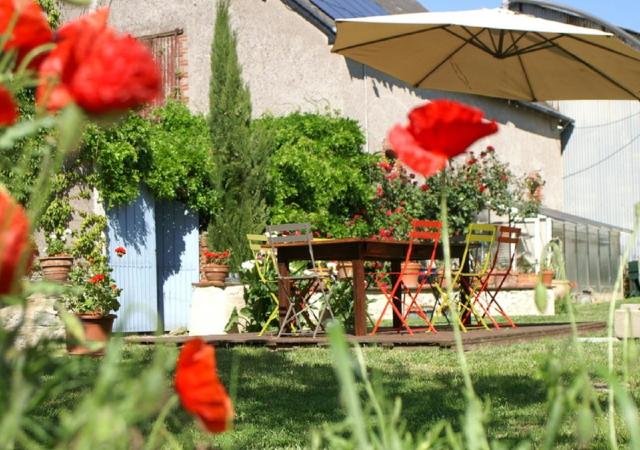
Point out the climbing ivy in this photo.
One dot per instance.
(169, 151)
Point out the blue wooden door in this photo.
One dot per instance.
(177, 260)
(133, 227)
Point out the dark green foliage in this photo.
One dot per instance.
(318, 171)
(169, 152)
(240, 155)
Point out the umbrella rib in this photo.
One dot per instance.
(472, 39)
(602, 47)
(496, 47)
(522, 50)
(524, 70)
(465, 42)
(592, 67)
(388, 38)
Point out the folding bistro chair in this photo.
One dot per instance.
(491, 284)
(265, 260)
(306, 292)
(479, 237)
(421, 231)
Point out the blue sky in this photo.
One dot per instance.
(624, 13)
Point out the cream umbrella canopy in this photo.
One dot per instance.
(496, 53)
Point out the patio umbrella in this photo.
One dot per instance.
(496, 53)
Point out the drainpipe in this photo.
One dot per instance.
(366, 108)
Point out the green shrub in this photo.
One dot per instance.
(318, 172)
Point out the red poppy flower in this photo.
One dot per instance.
(490, 149)
(31, 30)
(97, 68)
(199, 387)
(15, 247)
(8, 109)
(96, 278)
(424, 187)
(436, 132)
(472, 161)
(384, 165)
(482, 187)
(120, 251)
(379, 191)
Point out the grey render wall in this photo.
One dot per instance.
(601, 161)
(288, 66)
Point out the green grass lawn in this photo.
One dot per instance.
(281, 396)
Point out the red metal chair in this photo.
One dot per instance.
(421, 231)
(492, 282)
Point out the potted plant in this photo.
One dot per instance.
(55, 221)
(58, 262)
(554, 260)
(95, 298)
(216, 268)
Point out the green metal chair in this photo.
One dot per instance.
(265, 259)
(479, 237)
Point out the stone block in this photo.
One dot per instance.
(211, 308)
(627, 321)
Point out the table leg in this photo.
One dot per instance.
(397, 300)
(284, 287)
(359, 298)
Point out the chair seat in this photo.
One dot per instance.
(304, 277)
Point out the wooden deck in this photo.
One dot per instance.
(441, 339)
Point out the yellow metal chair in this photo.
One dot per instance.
(265, 259)
(479, 239)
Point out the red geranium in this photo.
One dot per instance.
(8, 109)
(217, 257)
(31, 29)
(199, 387)
(96, 278)
(15, 247)
(97, 68)
(436, 132)
(120, 251)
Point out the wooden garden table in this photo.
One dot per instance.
(357, 251)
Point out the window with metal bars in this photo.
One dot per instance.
(167, 49)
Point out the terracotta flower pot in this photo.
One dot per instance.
(547, 277)
(97, 328)
(411, 273)
(56, 268)
(216, 273)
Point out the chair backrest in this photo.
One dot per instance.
(505, 238)
(291, 233)
(425, 230)
(479, 234)
(262, 253)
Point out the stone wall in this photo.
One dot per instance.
(41, 320)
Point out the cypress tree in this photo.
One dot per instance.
(240, 156)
